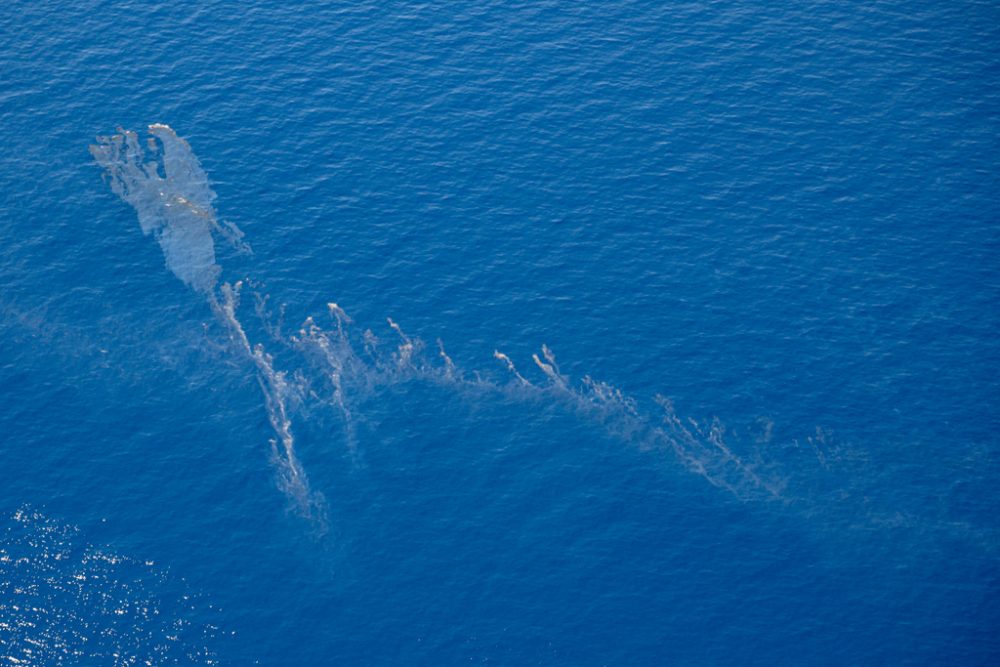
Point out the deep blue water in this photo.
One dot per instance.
(759, 241)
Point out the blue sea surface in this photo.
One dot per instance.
(550, 333)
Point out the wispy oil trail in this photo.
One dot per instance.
(276, 390)
(506, 361)
(176, 208)
(339, 364)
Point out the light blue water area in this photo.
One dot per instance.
(523, 333)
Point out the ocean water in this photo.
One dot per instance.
(619, 333)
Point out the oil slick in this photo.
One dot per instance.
(175, 207)
(173, 200)
(337, 365)
(171, 195)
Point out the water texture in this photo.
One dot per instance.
(621, 333)
(66, 602)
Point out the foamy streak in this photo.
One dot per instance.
(705, 453)
(551, 369)
(506, 361)
(449, 365)
(273, 384)
(406, 348)
(176, 208)
(336, 356)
